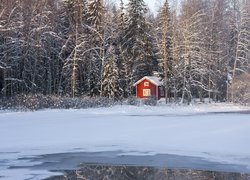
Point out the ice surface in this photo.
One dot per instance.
(165, 129)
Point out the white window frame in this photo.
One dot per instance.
(146, 92)
(146, 84)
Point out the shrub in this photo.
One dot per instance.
(241, 89)
(150, 101)
(132, 100)
(33, 102)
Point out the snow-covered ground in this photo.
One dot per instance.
(165, 129)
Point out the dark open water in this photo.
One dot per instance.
(112, 165)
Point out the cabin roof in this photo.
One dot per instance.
(153, 79)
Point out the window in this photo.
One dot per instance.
(146, 84)
(146, 92)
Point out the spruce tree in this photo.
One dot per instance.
(122, 51)
(97, 43)
(110, 75)
(95, 10)
(165, 45)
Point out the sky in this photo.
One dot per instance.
(154, 5)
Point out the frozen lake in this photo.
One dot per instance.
(211, 137)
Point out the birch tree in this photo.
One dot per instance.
(11, 24)
(192, 60)
(76, 45)
(242, 50)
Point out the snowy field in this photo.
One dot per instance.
(165, 129)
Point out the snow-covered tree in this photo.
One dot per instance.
(165, 45)
(96, 11)
(215, 49)
(241, 63)
(122, 53)
(97, 43)
(137, 42)
(193, 60)
(65, 47)
(110, 81)
(75, 61)
(11, 44)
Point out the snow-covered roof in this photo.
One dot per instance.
(153, 79)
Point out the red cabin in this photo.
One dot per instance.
(149, 86)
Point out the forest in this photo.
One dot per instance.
(96, 48)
